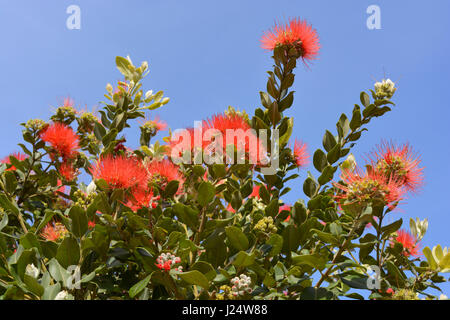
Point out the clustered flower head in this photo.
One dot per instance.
(400, 163)
(241, 285)
(35, 124)
(66, 112)
(167, 260)
(265, 225)
(385, 89)
(297, 34)
(409, 243)
(161, 172)
(83, 199)
(86, 121)
(153, 126)
(364, 187)
(140, 198)
(301, 156)
(120, 172)
(223, 135)
(62, 139)
(54, 231)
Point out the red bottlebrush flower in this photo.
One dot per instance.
(140, 198)
(67, 170)
(91, 224)
(300, 155)
(410, 245)
(296, 33)
(238, 135)
(164, 171)
(62, 138)
(19, 156)
(120, 172)
(369, 186)
(53, 231)
(398, 162)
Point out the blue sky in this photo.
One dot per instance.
(206, 56)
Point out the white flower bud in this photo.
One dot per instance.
(61, 295)
(91, 187)
(32, 271)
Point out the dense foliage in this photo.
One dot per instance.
(144, 226)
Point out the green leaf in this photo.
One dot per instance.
(265, 99)
(237, 238)
(195, 277)
(29, 241)
(243, 259)
(138, 287)
(206, 269)
(276, 241)
(171, 189)
(356, 118)
(310, 187)
(4, 221)
(315, 261)
(291, 239)
(327, 175)
(206, 192)
(68, 252)
(273, 208)
(79, 221)
(320, 160)
(395, 272)
(354, 281)
(51, 291)
(329, 141)
(429, 255)
(365, 99)
(47, 217)
(8, 204)
(186, 214)
(124, 66)
(334, 154)
(10, 181)
(391, 228)
(33, 285)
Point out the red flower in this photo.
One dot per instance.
(141, 198)
(67, 170)
(410, 245)
(238, 135)
(53, 231)
(164, 171)
(19, 156)
(300, 154)
(398, 162)
(91, 224)
(369, 186)
(62, 138)
(295, 33)
(120, 172)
